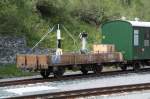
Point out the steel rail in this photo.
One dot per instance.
(88, 92)
(67, 77)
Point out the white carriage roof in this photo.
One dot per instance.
(140, 23)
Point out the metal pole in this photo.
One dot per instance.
(58, 38)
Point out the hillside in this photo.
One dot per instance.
(33, 18)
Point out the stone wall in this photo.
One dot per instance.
(10, 46)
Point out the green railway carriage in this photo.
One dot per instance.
(132, 38)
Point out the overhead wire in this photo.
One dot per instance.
(74, 41)
(43, 37)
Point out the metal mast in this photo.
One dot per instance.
(58, 50)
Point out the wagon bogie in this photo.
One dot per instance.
(84, 70)
(97, 68)
(45, 73)
(58, 71)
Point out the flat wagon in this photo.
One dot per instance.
(57, 64)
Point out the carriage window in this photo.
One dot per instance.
(136, 37)
(147, 34)
(146, 43)
(147, 37)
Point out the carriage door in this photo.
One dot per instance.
(146, 43)
(136, 43)
(141, 43)
(138, 49)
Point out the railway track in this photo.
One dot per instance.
(67, 77)
(88, 92)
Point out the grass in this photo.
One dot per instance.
(10, 70)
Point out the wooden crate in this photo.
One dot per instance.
(98, 48)
(43, 61)
(20, 61)
(119, 56)
(31, 61)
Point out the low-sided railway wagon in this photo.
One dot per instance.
(57, 64)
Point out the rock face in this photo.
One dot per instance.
(10, 46)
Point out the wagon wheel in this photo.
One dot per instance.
(59, 72)
(136, 67)
(123, 67)
(97, 69)
(45, 73)
(84, 70)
